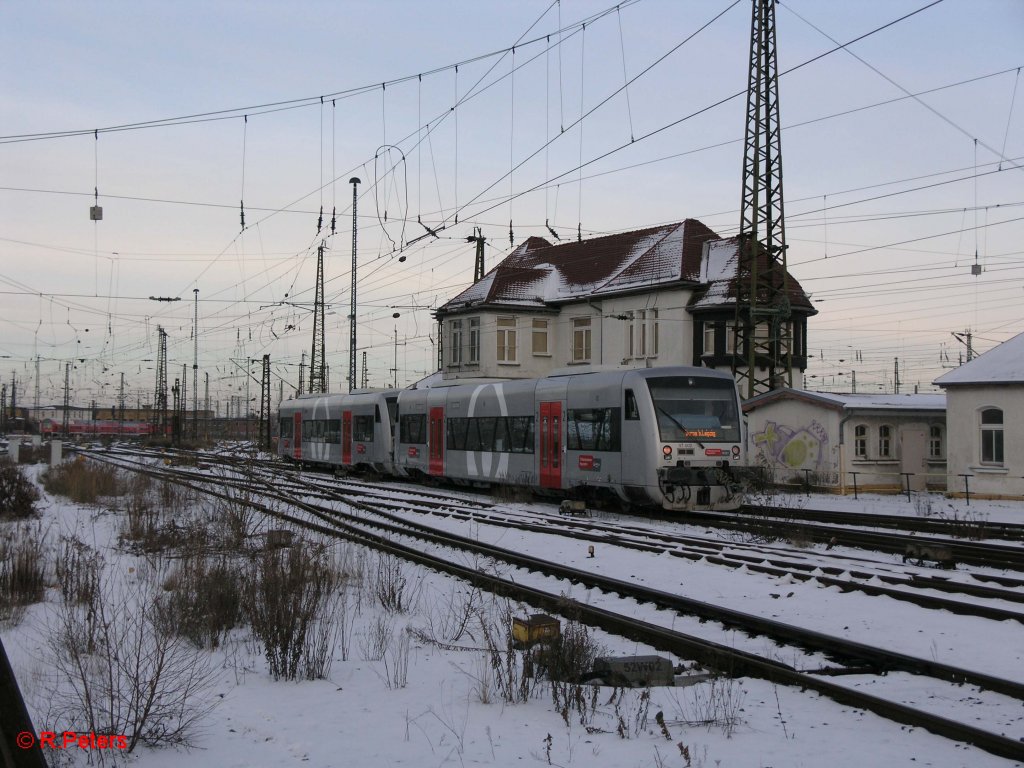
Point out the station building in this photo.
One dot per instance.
(876, 442)
(985, 415)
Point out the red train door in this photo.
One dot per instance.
(436, 438)
(297, 437)
(346, 437)
(551, 445)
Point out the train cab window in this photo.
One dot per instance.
(376, 413)
(362, 428)
(699, 408)
(632, 412)
(392, 408)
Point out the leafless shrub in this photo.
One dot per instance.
(23, 557)
(17, 493)
(391, 585)
(83, 481)
(78, 571)
(287, 591)
(512, 494)
(715, 703)
(127, 673)
(203, 598)
(450, 617)
(377, 638)
(235, 518)
(396, 661)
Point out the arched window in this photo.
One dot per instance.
(860, 441)
(935, 442)
(885, 442)
(992, 436)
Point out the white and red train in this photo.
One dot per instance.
(671, 437)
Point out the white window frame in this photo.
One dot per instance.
(885, 442)
(507, 346)
(455, 345)
(540, 328)
(709, 338)
(860, 441)
(582, 340)
(652, 332)
(935, 442)
(474, 340)
(989, 431)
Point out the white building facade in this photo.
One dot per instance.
(985, 419)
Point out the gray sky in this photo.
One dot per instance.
(887, 197)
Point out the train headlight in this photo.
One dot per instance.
(666, 451)
(735, 451)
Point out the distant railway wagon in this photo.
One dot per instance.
(671, 437)
(95, 428)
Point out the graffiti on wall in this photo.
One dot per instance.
(787, 447)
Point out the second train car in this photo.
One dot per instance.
(671, 437)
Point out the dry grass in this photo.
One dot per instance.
(84, 482)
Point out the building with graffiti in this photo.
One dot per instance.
(839, 441)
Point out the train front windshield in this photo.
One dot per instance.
(695, 409)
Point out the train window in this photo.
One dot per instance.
(362, 428)
(376, 413)
(333, 434)
(632, 412)
(412, 428)
(594, 429)
(695, 408)
(520, 430)
(286, 427)
(457, 427)
(392, 409)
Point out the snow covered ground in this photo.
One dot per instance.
(449, 712)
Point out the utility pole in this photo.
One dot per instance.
(67, 398)
(206, 408)
(35, 404)
(354, 181)
(195, 366)
(160, 397)
(3, 408)
(302, 373)
(478, 266)
(395, 369)
(265, 404)
(896, 375)
(365, 382)
(317, 378)
(967, 339)
(763, 334)
(120, 404)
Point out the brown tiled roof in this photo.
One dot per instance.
(539, 274)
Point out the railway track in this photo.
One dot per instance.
(386, 531)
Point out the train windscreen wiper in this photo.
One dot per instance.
(681, 427)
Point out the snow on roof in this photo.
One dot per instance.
(855, 402)
(1003, 364)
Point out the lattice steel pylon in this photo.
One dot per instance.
(160, 397)
(265, 405)
(317, 364)
(763, 329)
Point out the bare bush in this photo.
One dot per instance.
(391, 585)
(127, 673)
(23, 556)
(82, 481)
(287, 591)
(204, 598)
(17, 493)
(396, 661)
(715, 703)
(78, 571)
(377, 638)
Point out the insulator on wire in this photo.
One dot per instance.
(242, 211)
(511, 238)
(320, 221)
(334, 216)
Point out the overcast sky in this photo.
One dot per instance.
(888, 197)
